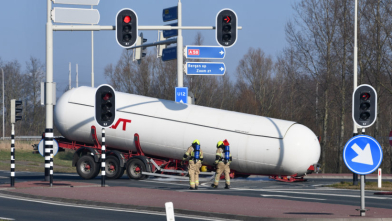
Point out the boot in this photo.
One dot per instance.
(191, 188)
(214, 186)
(227, 186)
(196, 187)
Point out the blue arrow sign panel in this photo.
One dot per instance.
(169, 14)
(362, 154)
(170, 33)
(181, 95)
(205, 68)
(205, 52)
(169, 54)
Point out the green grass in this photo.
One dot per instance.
(386, 185)
(25, 160)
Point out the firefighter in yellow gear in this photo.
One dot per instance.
(195, 156)
(223, 159)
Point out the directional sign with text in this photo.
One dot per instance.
(170, 33)
(181, 95)
(169, 54)
(170, 14)
(205, 52)
(75, 15)
(362, 154)
(205, 68)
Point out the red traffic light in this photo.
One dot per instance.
(127, 19)
(107, 96)
(226, 19)
(365, 96)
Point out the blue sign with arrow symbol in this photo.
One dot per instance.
(205, 68)
(205, 52)
(181, 95)
(362, 154)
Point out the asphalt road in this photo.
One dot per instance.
(310, 191)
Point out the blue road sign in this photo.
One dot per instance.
(205, 68)
(169, 54)
(169, 14)
(362, 154)
(170, 33)
(205, 52)
(181, 95)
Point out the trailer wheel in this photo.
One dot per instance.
(87, 168)
(134, 169)
(112, 168)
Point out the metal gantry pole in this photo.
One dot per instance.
(92, 57)
(355, 129)
(180, 62)
(2, 71)
(12, 155)
(363, 210)
(103, 157)
(49, 90)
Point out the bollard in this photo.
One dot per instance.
(379, 178)
(169, 211)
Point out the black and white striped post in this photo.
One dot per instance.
(103, 157)
(13, 155)
(49, 155)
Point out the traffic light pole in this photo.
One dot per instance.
(180, 48)
(355, 129)
(49, 90)
(12, 155)
(103, 157)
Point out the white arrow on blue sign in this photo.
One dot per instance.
(205, 68)
(362, 154)
(181, 95)
(205, 52)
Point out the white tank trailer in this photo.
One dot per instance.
(259, 145)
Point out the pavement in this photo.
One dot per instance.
(201, 203)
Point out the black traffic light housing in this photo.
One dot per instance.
(364, 111)
(126, 27)
(226, 27)
(105, 105)
(16, 108)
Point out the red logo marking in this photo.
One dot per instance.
(125, 121)
(193, 52)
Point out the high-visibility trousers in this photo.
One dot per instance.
(222, 168)
(194, 171)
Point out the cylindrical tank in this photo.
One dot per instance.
(259, 145)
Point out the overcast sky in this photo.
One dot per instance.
(22, 25)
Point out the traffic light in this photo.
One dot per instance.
(16, 108)
(364, 111)
(140, 52)
(226, 27)
(105, 105)
(126, 28)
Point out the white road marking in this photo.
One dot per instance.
(3, 177)
(104, 208)
(3, 218)
(289, 197)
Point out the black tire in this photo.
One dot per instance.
(112, 168)
(134, 168)
(87, 168)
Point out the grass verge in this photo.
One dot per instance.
(386, 185)
(26, 160)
